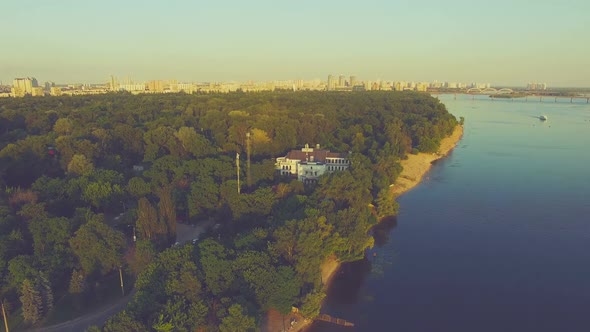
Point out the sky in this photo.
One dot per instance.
(502, 42)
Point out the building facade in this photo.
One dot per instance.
(308, 164)
(23, 86)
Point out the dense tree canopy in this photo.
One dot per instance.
(80, 176)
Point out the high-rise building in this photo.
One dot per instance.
(49, 85)
(341, 81)
(352, 81)
(155, 86)
(24, 86)
(330, 82)
(38, 91)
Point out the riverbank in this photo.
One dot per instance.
(275, 321)
(417, 165)
(414, 169)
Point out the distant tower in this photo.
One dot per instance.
(330, 82)
(113, 83)
(352, 81)
(341, 81)
(238, 169)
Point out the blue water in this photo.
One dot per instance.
(496, 238)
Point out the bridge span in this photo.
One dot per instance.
(540, 97)
(490, 91)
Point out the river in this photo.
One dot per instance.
(496, 237)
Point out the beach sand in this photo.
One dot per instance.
(419, 164)
(414, 169)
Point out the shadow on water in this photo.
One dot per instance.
(382, 231)
(345, 290)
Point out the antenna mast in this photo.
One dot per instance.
(248, 152)
(238, 169)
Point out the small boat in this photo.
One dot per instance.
(543, 118)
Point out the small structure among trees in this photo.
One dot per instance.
(308, 164)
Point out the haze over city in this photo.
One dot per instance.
(503, 42)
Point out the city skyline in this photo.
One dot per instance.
(29, 86)
(508, 43)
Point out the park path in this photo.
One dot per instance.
(184, 233)
(98, 317)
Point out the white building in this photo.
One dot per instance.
(132, 87)
(308, 164)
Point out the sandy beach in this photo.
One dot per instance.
(414, 169)
(417, 165)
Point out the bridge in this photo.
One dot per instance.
(525, 98)
(490, 91)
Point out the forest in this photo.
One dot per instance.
(92, 189)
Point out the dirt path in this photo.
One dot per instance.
(98, 317)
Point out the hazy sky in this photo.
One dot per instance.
(507, 42)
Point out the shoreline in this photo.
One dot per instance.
(414, 169)
(417, 165)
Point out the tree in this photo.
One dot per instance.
(160, 141)
(50, 236)
(63, 126)
(353, 227)
(33, 211)
(167, 210)
(312, 303)
(46, 293)
(344, 189)
(193, 143)
(216, 265)
(184, 315)
(32, 303)
(261, 143)
(102, 194)
(138, 187)
(400, 142)
(98, 247)
(77, 282)
(124, 322)
(386, 204)
(306, 244)
(274, 286)
(80, 165)
(144, 253)
(148, 223)
(204, 196)
(163, 326)
(128, 142)
(237, 321)
(20, 268)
